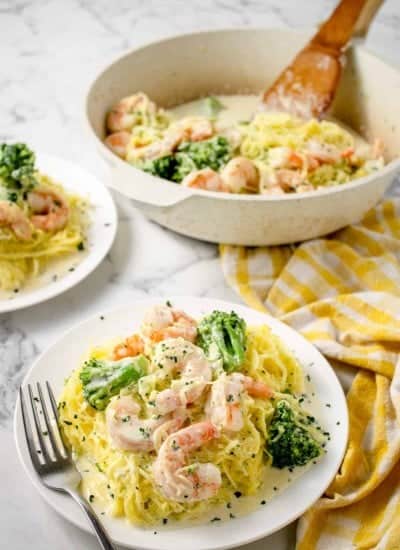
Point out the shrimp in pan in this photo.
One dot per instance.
(118, 142)
(206, 179)
(124, 115)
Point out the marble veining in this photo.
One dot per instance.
(50, 51)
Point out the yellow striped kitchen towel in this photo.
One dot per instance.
(343, 294)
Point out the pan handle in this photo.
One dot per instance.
(142, 187)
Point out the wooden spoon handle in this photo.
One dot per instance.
(307, 86)
(366, 17)
(336, 31)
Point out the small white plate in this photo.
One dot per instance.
(100, 236)
(58, 361)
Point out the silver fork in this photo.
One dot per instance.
(51, 458)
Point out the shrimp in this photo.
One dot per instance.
(223, 406)
(124, 115)
(364, 153)
(162, 322)
(50, 208)
(130, 433)
(118, 142)
(157, 149)
(181, 482)
(289, 180)
(240, 175)
(269, 183)
(278, 157)
(131, 346)
(323, 153)
(206, 179)
(168, 427)
(187, 129)
(13, 217)
(179, 355)
(280, 181)
(194, 128)
(285, 157)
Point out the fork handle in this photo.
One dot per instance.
(100, 532)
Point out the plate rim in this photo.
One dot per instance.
(80, 521)
(67, 283)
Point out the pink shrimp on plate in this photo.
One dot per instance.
(130, 347)
(224, 404)
(129, 432)
(162, 322)
(174, 477)
(50, 209)
(12, 216)
(177, 355)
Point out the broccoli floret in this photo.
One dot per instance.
(210, 153)
(17, 169)
(223, 336)
(102, 379)
(190, 156)
(290, 441)
(163, 167)
(184, 166)
(212, 106)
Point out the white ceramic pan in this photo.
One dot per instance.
(247, 61)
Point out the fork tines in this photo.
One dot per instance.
(44, 440)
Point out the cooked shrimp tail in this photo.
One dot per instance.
(174, 477)
(205, 179)
(50, 209)
(130, 347)
(224, 403)
(126, 113)
(162, 322)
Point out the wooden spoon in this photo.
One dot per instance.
(307, 87)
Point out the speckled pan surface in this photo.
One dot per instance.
(232, 61)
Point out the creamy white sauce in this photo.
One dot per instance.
(55, 270)
(237, 108)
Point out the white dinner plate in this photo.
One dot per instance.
(57, 362)
(100, 236)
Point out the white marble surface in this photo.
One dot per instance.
(50, 50)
